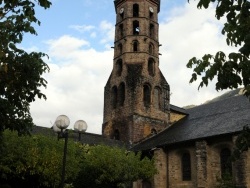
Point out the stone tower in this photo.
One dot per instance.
(136, 96)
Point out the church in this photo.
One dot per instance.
(192, 146)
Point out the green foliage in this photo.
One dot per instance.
(234, 70)
(20, 71)
(242, 143)
(33, 161)
(109, 167)
(37, 160)
(226, 181)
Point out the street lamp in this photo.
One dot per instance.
(80, 127)
(60, 127)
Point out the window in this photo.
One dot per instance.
(120, 48)
(117, 135)
(146, 184)
(157, 94)
(121, 94)
(121, 30)
(114, 97)
(151, 30)
(119, 67)
(151, 14)
(135, 46)
(186, 167)
(146, 95)
(136, 28)
(226, 165)
(151, 49)
(151, 67)
(135, 10)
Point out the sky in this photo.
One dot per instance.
(78, 36)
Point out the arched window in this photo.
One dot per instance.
(120, 48)
(114, 97)
(151, 49)
(146, 95)
(225, 163)
(117, 135)
(119, 67)
(122, 13)
(146, 184)
(121, 94)
(151, 67)
(157, 96)
(121, 30)
(151, 30)
(135, 10)
(135, 46)
(136, 28)
(151, 14)
(186, 167)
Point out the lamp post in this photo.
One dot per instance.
(60, 127)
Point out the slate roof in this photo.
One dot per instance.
(86, 138)
(213, 119)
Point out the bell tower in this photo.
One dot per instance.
(136, 95)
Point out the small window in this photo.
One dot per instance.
(151, 49)
(121, 30)
(121, 94)
(119, 67)
(157, 97)
(117, 135)
(135, 46)
(151, 15)
(151, 67)
(135, 10)
(146, 184)
(120, 48)
(226, 165)
(114, 97)
(151, 30)
(186, 167)
(146, 95)
(136, 28)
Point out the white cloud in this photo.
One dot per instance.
(108, 31)
(65, 46)
(75, 84)
(82, 28)
(185, 33)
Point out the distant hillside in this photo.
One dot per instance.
(227, 95)
(221, 97)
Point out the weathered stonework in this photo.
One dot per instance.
(201, 163)
(136, 96)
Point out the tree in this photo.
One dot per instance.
(36, 161)
(112, 167)
(20, 71)
(233, 70)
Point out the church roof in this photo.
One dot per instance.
(208, 120)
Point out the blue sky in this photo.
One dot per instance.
(78, 35)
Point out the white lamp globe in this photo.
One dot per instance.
(80, 126)
(62, 122)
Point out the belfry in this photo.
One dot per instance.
(136, 95)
